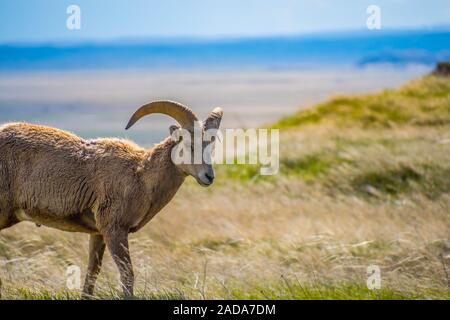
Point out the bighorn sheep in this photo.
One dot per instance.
(105, 187)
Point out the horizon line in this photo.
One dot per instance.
(225, 38)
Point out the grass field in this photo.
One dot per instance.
(364, 180)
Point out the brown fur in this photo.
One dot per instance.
(105, 187)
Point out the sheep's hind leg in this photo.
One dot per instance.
(96, 251)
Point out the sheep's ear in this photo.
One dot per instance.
(172, 129)
(175, 137)
(214, 119)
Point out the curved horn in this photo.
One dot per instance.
(184, 115)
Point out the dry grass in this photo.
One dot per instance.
(346, 198)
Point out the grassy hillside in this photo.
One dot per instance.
(364, 180)
(421, 103)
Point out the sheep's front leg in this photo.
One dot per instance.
(117, 243)
(96, 250)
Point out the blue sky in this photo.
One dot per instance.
(45, 20)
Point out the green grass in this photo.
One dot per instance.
(288, 289)
(311, 167)
(284, 289)
(328, 164)
(431, 181)
(422, 102)
(390, 181)
(308, 167)
(239, 172)
(113, 294)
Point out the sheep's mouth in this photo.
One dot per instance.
(203, 183)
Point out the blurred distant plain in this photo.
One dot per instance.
(91, 88)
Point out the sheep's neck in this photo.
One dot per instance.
(163, 178)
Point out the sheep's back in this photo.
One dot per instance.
(49, 169)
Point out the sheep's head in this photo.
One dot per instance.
(194, 139)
